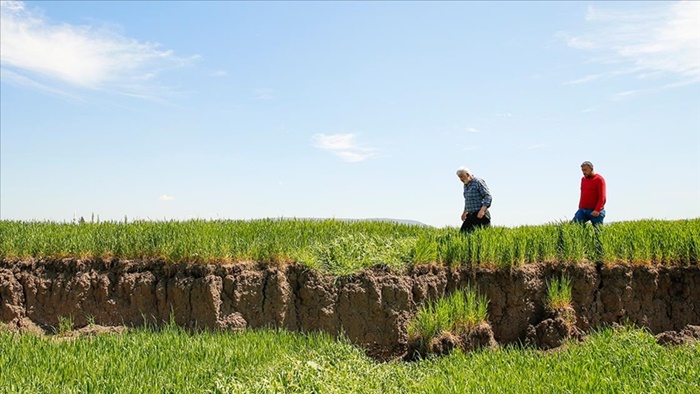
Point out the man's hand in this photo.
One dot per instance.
(595, 213)
(464, 215)
(481, 213)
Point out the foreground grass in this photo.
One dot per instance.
(344, 247)
(143, 361)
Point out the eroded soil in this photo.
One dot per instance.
(372, 307)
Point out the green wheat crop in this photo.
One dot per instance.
(344, 247)
(171, 360)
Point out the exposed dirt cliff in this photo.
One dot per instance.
(371, 308)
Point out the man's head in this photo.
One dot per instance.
(464, 174)
(587, 169)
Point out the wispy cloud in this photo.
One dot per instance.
(265, 94)
(166, 197)
(626, 94)
(462, 128)
(536, 146)
(219, 73)
(504, 115)
(655, 43)
(61, 56)
(576, 42)
(12, 77)
(343, 146)
(587, 78)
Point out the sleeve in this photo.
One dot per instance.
(600, 204)
(464, 192)
(485, 194)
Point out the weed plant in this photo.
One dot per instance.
(559, 293)
(343, 247)
(456, 313)
(65, 324)
(171, 360)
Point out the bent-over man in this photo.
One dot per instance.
(477, 200)
(591, 205)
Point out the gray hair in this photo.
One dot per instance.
(587, 164)
(463, 171)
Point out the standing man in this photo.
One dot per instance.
(591, 205)
(477, 200)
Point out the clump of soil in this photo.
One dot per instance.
(687, 335)
(22, 325)
(477, 337)
(558, 326)
(96, 329)
(26, 326)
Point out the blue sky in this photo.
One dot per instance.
(243, 110)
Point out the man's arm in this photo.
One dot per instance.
(600, 202)
(485, 200)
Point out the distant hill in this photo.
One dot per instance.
(399, 221)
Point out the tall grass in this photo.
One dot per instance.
(342, 247)
(559, 293)
(174, 361)
(457, 313)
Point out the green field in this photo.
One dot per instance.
(171, 360)
(625, 360)
(343, 247)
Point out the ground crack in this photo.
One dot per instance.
(596, 292)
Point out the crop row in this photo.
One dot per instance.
(343, 247)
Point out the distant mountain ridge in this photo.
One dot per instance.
(400, 221)
(390, 220)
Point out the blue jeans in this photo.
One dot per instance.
(583, 215)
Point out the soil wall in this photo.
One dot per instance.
(371, 308)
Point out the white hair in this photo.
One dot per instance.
(463, 171)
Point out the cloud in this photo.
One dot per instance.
(536, 146)
(219, 73)
(65, 56)
(626, 94)
(166, 197)
(576, 42)
(264, 94)
(334, 142)
(587, 78)
(504, 115)
(461, 128)
(343, 146)
(654, 43)
(20, 80)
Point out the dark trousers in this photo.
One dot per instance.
(473, 222)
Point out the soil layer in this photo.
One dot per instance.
(371, 308)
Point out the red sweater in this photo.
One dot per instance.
(592, 193)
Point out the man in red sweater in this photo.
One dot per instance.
(591, 205)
